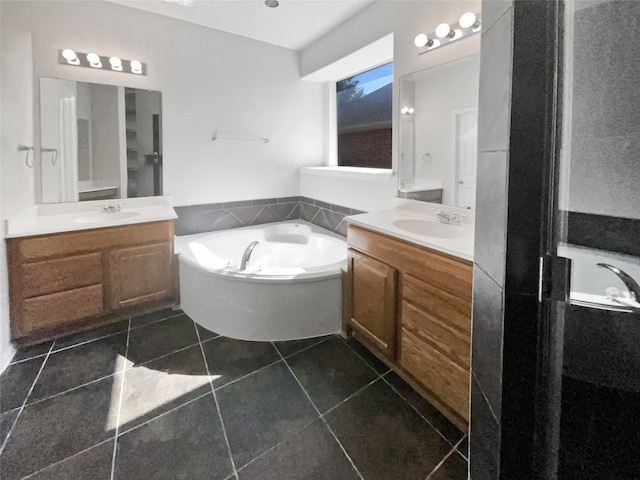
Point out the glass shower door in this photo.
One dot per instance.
(591, 426)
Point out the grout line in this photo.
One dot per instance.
(86, 342)
(245, 376)
(117, 429)
(27, 359)
(453, 451)
(215, 399)
(146, 362)
(31, 475)
(322, 340)
(24, 402)
(324, 420)
(351, 396)
(278, 444)
(415, 409)
(127, 430)
(158, 321)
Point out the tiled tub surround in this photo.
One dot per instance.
(157, 397)
(221, 216)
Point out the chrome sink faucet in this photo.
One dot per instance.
(448, 218)
(112, 208)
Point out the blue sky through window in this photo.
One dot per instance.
(372, 80)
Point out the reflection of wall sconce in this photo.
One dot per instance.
(468, 24)
(407, 110)
(93, 60)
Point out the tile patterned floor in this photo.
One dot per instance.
(157, 397)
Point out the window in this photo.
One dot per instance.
(364, 104)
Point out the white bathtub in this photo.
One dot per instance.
(291, 288)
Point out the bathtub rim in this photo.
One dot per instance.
(328, 271)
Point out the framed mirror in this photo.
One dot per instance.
(99, 142)
(438, 133)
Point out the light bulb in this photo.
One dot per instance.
(136, 66)
(94, 60)
(116, 63)
(70, 56)
(444, 30)
(457, 33)
(468, 20)
(421, 40)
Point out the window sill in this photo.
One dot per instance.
(357, 173)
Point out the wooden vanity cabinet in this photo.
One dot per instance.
(63, 282)
(411, 305)
(374, 301)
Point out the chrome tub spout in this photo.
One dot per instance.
(247, 254)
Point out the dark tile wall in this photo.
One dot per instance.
(513, 165)
(221, 216)
(491, 238)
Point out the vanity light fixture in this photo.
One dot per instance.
(468, 24)
(407, 110)
(100, 62)
(116, 64)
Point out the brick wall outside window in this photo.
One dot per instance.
(370, 148)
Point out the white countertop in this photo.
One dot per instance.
(383, 221)
(62, 217)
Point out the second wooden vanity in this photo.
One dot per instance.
(412, 306)
(64, 282)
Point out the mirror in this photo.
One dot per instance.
(99, 142)
(438, 133)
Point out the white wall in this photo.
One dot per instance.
(403, 19)
(439, 92)
(210, 80)
(17, 127)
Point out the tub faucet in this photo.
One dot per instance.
(247, 254)
(112, 208)
(630, 283)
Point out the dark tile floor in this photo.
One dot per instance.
(158, 398)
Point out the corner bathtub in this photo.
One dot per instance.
(291, 288)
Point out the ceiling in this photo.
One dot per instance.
(294, 24)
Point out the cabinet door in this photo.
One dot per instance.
(140, 274)
(374, 302)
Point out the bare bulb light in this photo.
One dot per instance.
(421, 40)
(70, 56)
(444, 30)
(116, 64)
(136, 67)
(469, 20)
(94, 60)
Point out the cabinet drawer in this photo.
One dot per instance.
(51, 276)
(446, 380)
(449, 309)
(451, 342)
(62, 307)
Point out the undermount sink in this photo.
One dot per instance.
(428, 228)
(106, 217)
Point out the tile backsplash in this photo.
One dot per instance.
(221, 216)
